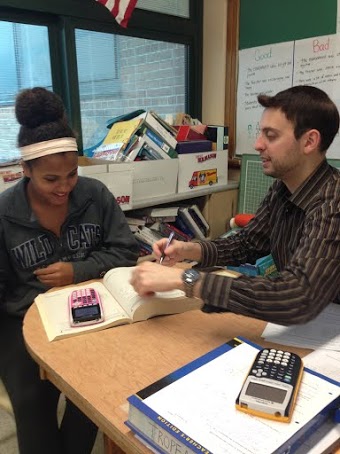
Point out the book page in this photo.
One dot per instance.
(202, 405)
(54, 312)
(117, 281)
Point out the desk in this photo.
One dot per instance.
(99, 370)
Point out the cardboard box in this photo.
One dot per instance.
(201, 170)
(134, 181)
(154, 178)
(116, 176)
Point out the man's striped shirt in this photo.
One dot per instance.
(302, 232)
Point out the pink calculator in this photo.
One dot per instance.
(85, 307)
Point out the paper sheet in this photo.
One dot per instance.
(317, 63)
(325, 362)
(322, 332)
(265, 69)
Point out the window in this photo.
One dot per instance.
(97, 63)
(25, 62)
(174, 7)
(100, 69)
(118, 74)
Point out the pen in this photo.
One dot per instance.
(167, 244)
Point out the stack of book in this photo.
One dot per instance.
(145, 237)
(194, 137)
(191, 139)
(144, 137)
(191, 220)
(149, 225)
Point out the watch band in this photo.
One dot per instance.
(189, 290)
(189, 278)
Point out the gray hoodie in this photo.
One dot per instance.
(95, 237)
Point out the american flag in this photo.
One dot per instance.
(120, 9)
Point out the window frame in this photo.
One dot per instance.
(62, 18)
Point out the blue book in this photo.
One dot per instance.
(198, 220)
(264, 266)
(192, 410)
(189, 221)
(160, 143)
(194, 146)
(181, 224)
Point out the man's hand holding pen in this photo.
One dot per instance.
(175, 251)
(151, 277)
(166, 247)
(168, 251)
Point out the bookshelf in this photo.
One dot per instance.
(218, 204)
(184, 195)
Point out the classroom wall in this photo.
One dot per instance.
(214, 58)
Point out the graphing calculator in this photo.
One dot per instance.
(271, 386)
(85, 307)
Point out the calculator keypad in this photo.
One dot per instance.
(277, 365)
(84, 297)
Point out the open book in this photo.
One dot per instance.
(121, 305)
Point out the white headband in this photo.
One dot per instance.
(37, 150)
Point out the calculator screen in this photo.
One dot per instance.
(86, 312)
(266, 392)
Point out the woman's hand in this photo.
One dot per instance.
(56, 275)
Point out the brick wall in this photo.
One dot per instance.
(151, 75)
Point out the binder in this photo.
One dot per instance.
(173, 412)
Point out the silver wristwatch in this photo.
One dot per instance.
(189, 278)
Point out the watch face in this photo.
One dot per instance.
(191, 276)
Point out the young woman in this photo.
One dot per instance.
(55, 229)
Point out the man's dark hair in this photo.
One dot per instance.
(307, 108)
(41, 114)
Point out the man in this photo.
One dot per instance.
(298, 222)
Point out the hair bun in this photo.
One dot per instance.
(36, 106)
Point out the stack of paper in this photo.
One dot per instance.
(193, 409)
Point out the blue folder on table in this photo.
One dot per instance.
(157, 415)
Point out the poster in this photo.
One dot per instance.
(317, 63)
(272, 68)
(265, 69)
